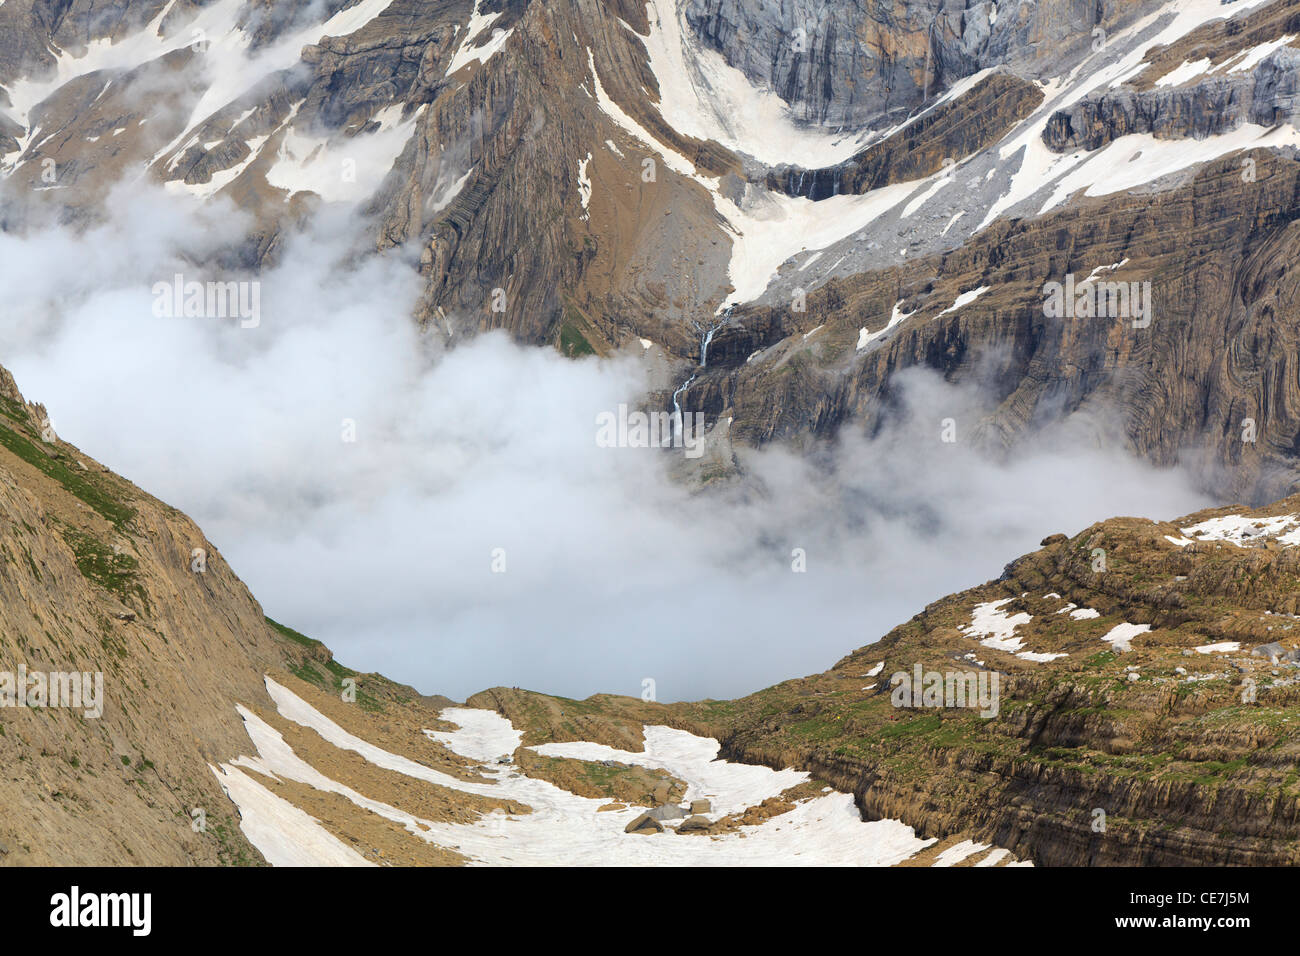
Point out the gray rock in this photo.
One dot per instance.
(668, 811)
(1265, 96)
(855, 63)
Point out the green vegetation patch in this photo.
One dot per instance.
(296, 636)
(77, 483)
(573, 343)
(328, 675)
(116, 573)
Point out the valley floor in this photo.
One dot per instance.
(755, 816)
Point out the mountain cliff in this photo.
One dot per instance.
(814, 188)
(1086, 209)
(1146, 673)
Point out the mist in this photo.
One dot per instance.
(473, 533)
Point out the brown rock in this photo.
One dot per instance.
(645, 824)
(695, 824)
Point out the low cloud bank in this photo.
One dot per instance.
(389, 547)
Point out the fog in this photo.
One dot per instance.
(384, 547)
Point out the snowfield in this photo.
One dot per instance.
(994, 628)
(563, 828)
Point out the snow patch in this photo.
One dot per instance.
(1120, 635)
(865, 337)
(958, 852)
(995, 627)
(482, 735)
(281, 832)
(1223, 647)
(1187, 71)
(468, 52)
(966, 298)
(339, 169)
(584, 185)
(1239, 529)
(704, 97)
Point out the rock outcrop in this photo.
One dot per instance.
(949, 131)
(111, 593)
(1265, 96)
(857, 64)
(1171, 746)
(1178, 389)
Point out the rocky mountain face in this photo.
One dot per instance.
(815, 184)
(920, 149)
(1182, 389)
(785, 206)
(150, 714)
(862, 63)
(1148, 682)
(98, 579)
(1210, 82)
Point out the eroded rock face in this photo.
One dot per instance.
(1219, 245)
(950, 131)
(1168, 748)
(856, 62)
(1264, 96)
(495, 136)
(100, 579)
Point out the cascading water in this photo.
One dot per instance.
(706, 338)
(677, 407)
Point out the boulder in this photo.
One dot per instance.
(645, 824)
(669, 811)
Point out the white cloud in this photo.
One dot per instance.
(382, 548)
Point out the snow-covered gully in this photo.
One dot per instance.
(561, 828)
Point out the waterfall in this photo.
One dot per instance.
(704, 346)
(677, 407)
(706, 337)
